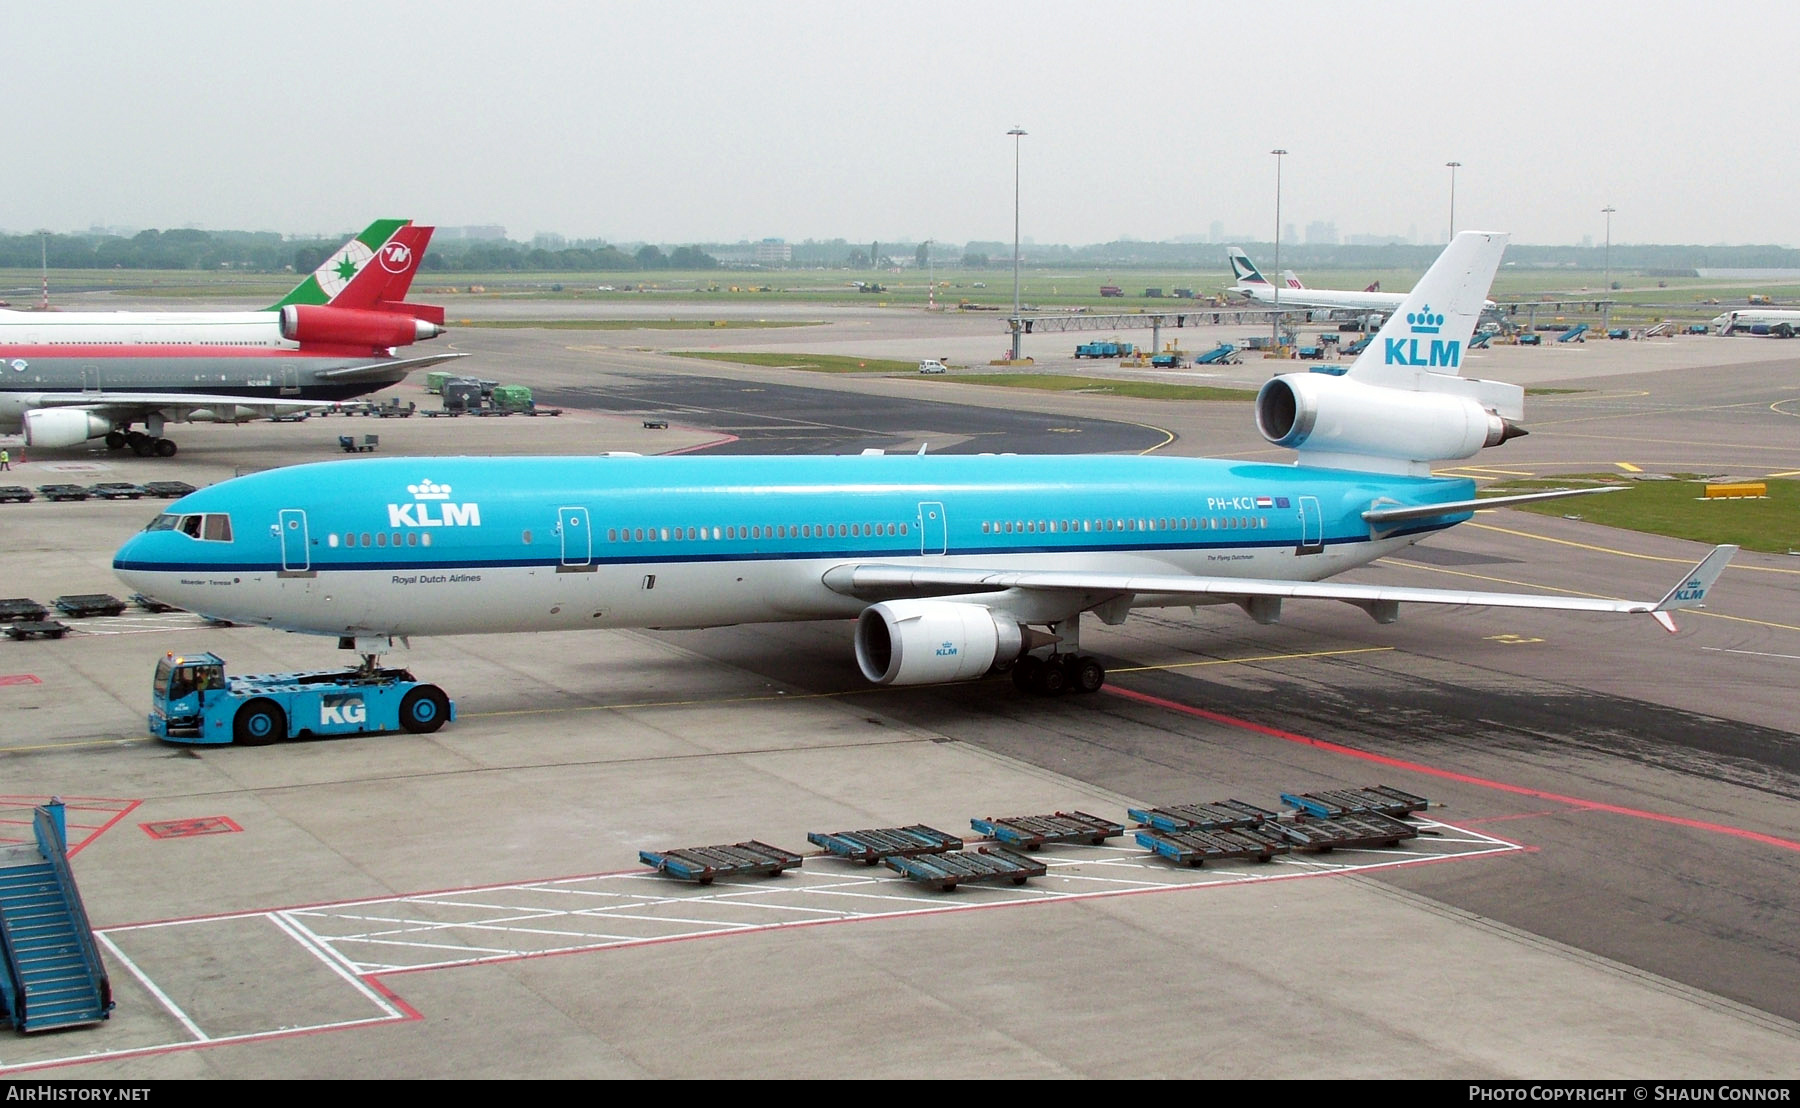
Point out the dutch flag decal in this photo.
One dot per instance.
(1264, 502)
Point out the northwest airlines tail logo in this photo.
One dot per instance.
(396, 257)
(428, 495)
(1428, 352)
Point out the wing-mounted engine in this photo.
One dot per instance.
(322, 323)
(1344, 423)
(918, 642)
(51, 428)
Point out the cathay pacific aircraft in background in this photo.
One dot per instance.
(1252, 285)
(66, 377)
(951, 566)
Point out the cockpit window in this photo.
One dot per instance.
(211, 527)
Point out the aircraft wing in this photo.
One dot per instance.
(1259, 596)
(177, 407)
(383, 370)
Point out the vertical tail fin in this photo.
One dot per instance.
(1432, 327)
(347, 280)
(1290, 279)
(1243, 269)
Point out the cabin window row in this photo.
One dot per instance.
(758, 531)
(381, 538)
(1170, 523)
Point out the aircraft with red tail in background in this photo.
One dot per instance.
(67, 377)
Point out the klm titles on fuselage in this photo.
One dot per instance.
(428, 494)
(1429, 353)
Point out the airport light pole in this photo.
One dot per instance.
(1279, 154)
(930, 280)
(1452, 166)
(1608, 212)
(1017, 133)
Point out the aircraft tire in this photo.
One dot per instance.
(164, 448)
(259, 723)
(1086, 674)
(115, 440)
(141, 445)
(424, 710)
(1024, 671)
(1051, 679)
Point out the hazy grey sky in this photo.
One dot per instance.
(703, 121)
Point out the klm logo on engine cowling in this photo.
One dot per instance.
(431, 507)
(1428, 351)
(948, 650)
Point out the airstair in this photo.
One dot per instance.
(51, 975)
(1574, 334)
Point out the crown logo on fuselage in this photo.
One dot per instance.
(419, 513)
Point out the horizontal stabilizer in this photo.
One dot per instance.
(1393, 515)
(386, 370)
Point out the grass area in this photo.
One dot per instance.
(633, 324)
(821, 363)
(1679, 509)
(1640, 298)
(1143, 390)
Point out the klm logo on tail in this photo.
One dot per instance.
(1694, 590)
(1429, 352)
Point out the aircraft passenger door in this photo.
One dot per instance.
(290, 379)
(296, 555)
(577, 537)
(1312, 527)
(934, 534)
(90, 378)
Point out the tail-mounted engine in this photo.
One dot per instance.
(322, 323)
(1454, 418)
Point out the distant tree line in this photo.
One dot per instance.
(262, 251)
(268, 252)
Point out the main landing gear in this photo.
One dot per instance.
(144, 446)
(1058, 673)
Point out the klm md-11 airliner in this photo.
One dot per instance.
(952, 567)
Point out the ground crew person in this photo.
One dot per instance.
(5, 458)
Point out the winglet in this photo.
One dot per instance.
(1695, 584)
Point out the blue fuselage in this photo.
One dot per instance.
(459, 545)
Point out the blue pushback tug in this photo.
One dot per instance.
(194, 702)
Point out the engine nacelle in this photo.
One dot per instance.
(54, 427)
(918, 642)
(1315, 411)
(353, 326)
